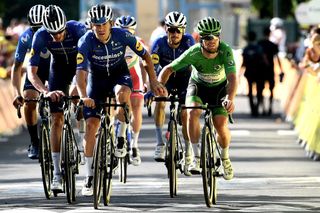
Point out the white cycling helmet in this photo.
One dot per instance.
(176, 19)
(126, 22)
(54, 19)
(35, 15)
(100, 14)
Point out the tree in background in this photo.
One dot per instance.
(276, 8)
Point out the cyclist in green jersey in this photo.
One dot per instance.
(213, 77)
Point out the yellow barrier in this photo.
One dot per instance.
(9, 121)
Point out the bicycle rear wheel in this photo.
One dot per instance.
(207, 164)
(99, 167)
(111, 163)
(69, 162)
(172, 167)
(45, 160)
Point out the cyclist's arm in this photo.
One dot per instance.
(165, 74)
(16, 77)
(35, 80)
(81, 83)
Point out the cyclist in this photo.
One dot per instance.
(138, 76)
(213, 73)
(60, 38)
(29, 91)
(164, 51)
(104, 49)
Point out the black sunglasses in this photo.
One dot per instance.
(174, 30)
(210, 37)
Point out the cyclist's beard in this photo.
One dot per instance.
(209, 51)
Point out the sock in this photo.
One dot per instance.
(122, 129)
(88, 166)
(187, 147)
(135, 136)
(159, 136)
(56, 163)
(33, 132)
(196, 149)
(225, 153)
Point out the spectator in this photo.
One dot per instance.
(158, 32)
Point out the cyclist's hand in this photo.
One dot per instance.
(88, 102)
(228, 104)
(147, 97)
(55, 95)
(18, 101)
(158, 88)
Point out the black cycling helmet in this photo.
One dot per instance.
(35, 15)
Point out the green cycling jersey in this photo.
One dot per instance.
(209, 72)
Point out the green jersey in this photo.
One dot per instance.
(209, 72)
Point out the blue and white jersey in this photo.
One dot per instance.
(62, 52)
(162, 54)
(103, 58)
(24, 46)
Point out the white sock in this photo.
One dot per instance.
(159, 136)
(88, 166)
(122, 129)
(196, 149)
(56, 163)
(187, 147)
(225, 153)
(135, 136)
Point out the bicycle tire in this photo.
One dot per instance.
(111, 162)
(172, 169)
(45, 160)
(69, 176)
(123, 166)
(99, 166)
(208, 168)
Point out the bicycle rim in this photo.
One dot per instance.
(207, 165)
(172, 163)
(99, 166)
(45, 161)
(111, 162)
(68, 165)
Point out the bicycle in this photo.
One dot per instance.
(105, 161)
(174, 148)
(45, 158)
(70, 153)
(210, 160)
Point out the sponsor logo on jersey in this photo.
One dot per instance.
(155, 58)
(110, 56)
(45, 54)
(230, 63)
(139, 46)
(79, 58)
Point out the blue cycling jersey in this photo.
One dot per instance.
(163, 54)
(24, 46)
(65, 51)
(105, 57)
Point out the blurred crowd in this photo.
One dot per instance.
(8, 41)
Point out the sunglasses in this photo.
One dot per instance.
(210, 37)
(175, 30)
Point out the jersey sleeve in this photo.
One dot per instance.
(38, 44)
(83, 53)
(155, 55)
(134, 44)
(182, 61)
(81, 30)
(229, 63)
(24, 44)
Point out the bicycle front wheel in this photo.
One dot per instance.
(69, 162)
(99, 167)
(207, 164)
(172, 167)
(45, 160)
(111, 163)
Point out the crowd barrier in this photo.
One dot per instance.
(9, 121)
(301, 106)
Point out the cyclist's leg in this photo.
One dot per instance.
(159, 119)
(220, 122)
(136, 121)
(92, 125)
(30, 113)
(122, 93)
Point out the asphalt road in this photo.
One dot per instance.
(272, 174)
